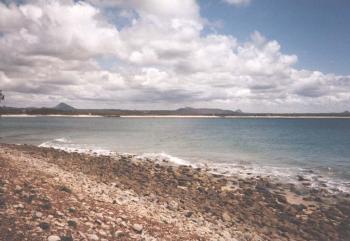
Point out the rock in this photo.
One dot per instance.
(226, 235)
(44, 225)
(53, 238)
(137, 227)
(93, 237)
(19, 206)
(72, 223)
(172, 205)
(82, 234)
(226, 217)
(2, 202)
(188, 214)
(46, 205)
(38, 214)
(119, 234)
(66, 238)
(65, 189)
(301, 178)
(99, 215)
(71, 209)
(18, 189)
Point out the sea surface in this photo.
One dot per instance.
(317, 149)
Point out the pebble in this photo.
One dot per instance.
(38, 214)
(93, 237)
(118, 234)
(72, 223)
(66, 238)
(137, 227)
(44, 225)
(103, 233)
(71, 209)
(53, 238)
(226, 217)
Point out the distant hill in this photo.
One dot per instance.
(204, 111)
(64, 107)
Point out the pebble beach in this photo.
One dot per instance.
(54, 195)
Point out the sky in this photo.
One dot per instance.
(254, 55)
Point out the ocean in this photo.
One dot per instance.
(285, 149)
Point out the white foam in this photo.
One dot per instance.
(67, 145)
(238, 168)
(162, 157)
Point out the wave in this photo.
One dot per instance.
(286, 174)
(66, 144)
(163, 157)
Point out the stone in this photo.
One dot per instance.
(93, 237)
(226, 217)
(71, 209)
(65, 189)
(188, 214)
(66, 238)
(174, 206)
(72, 223)
(137, 227)
(118, 234)
(44, 225)
(82, 234)
(38, 214)
(19, 206)
(53, 238)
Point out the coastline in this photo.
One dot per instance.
(184, 116)
(122, 198)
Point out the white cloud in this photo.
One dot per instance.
(53, 51)
(238, 2)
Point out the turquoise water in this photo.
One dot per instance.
(316, 148)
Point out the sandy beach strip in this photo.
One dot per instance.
(48, 194)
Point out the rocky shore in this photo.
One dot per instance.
(48, 194)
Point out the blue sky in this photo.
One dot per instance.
(317, 31)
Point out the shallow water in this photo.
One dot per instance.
(318, 149)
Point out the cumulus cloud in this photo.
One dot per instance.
(238, 2)
(149, 54)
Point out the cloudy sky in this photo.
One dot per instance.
(256, 55)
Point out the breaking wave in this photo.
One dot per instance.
(296, 175)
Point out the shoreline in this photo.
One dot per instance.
(198, 205)
(182, 116)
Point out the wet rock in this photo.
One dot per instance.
(71, 209)
(137, 227)
(66, 238)
(282, 198)
(53, 238)
(46, 205)
(72, 223)
(44, 225)
(2, 201)
(301, 178)
(188, 214)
